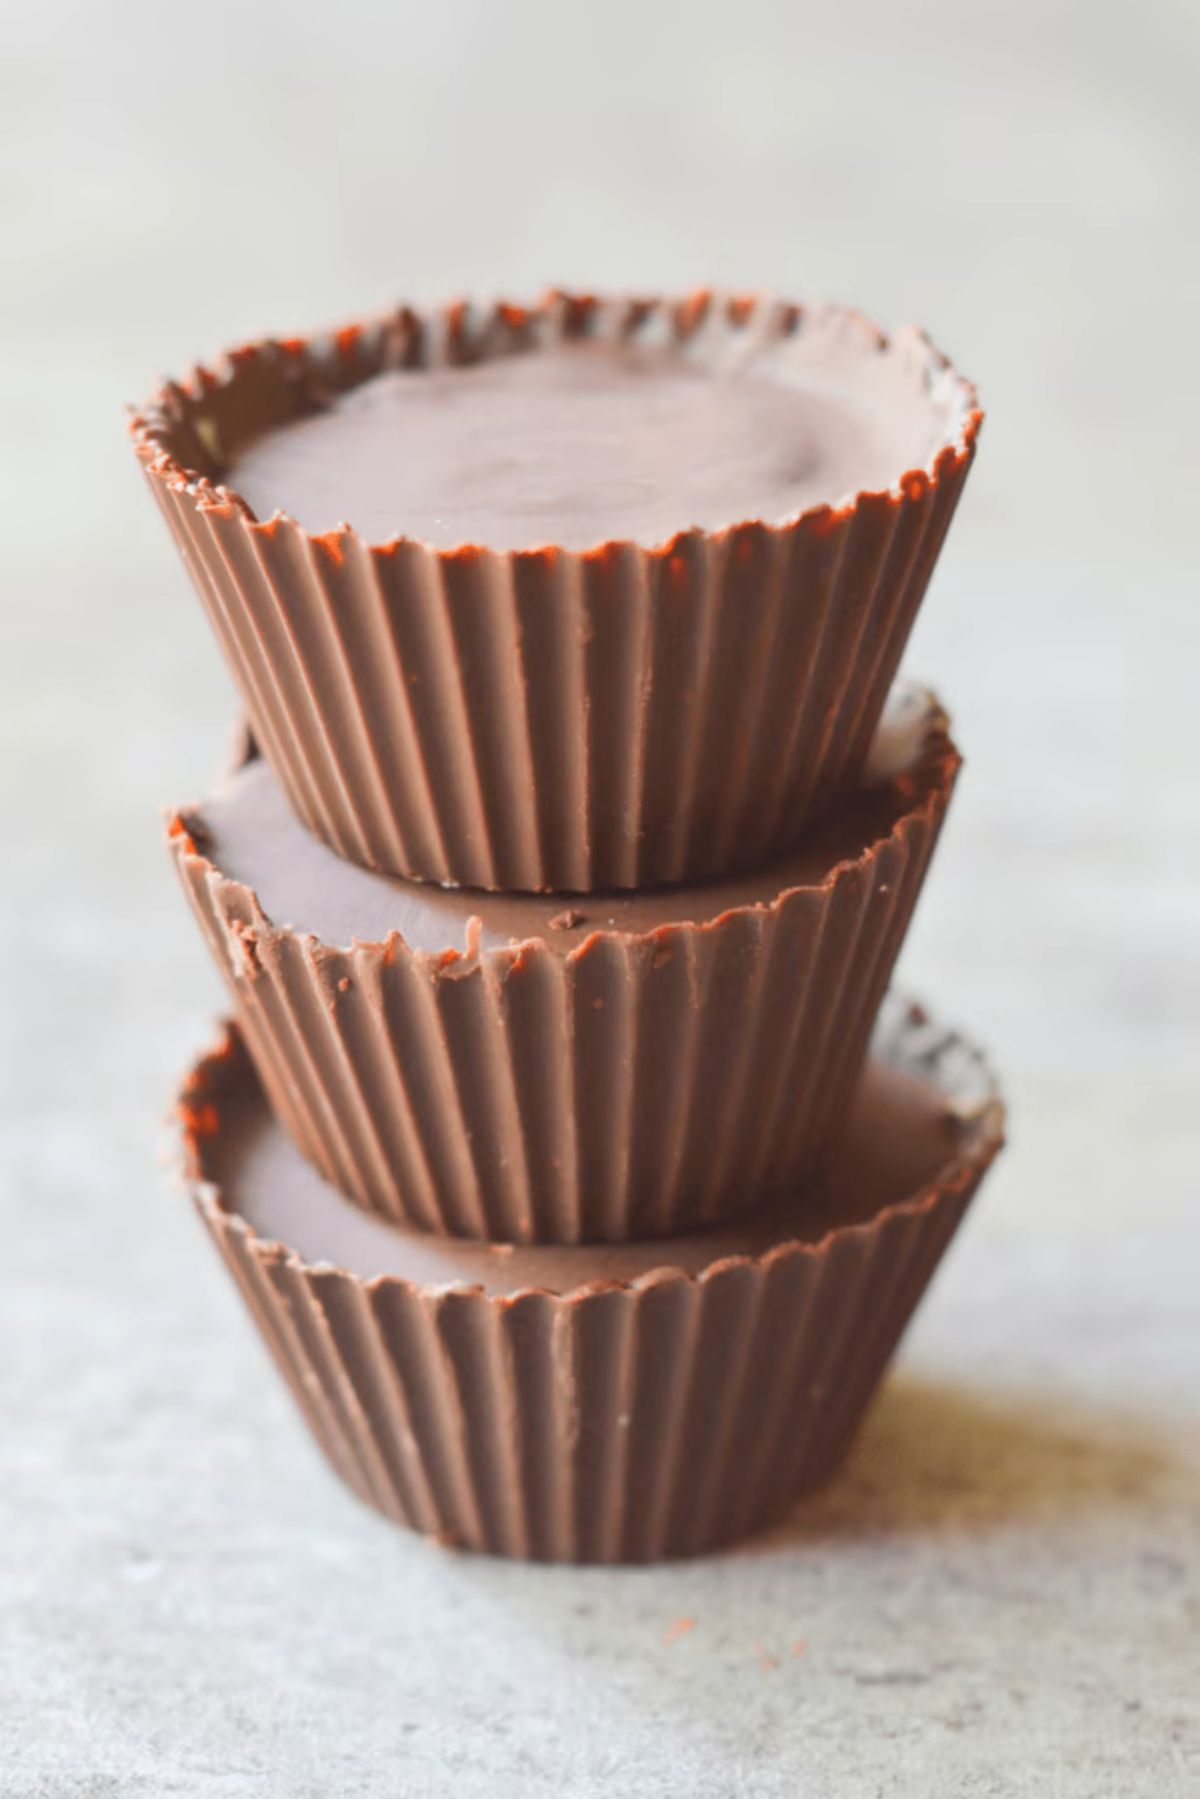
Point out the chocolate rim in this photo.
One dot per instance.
(931, 781)
(701, 1064)
(550, 720)
(975, 1094)
(458, 332)
(616, 1420)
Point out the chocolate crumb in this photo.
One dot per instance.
(247, 942)
(569, 920)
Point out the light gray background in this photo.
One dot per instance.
(1001, 1596)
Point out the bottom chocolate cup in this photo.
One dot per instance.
(609, 1402)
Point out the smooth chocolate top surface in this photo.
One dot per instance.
(585, 442)
(248, 831)
(901, 1133)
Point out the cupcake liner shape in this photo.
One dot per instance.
(609, 1418)
(601, 1073)
(551, 719)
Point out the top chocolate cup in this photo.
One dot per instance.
(624, 583)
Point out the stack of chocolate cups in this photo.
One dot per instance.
(566, 1150)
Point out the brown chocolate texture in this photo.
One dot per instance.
(585, 442)
(484, 1065)
(592, 1403)
(550, 717)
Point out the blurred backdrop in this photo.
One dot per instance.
(1024, 180)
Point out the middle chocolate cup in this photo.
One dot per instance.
(533, 1068)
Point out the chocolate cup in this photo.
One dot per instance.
(552, 720)
(600, 1419)
(572, 1084)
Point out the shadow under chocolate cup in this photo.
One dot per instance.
(598, 1403)
(657, 669)
(510, 1067)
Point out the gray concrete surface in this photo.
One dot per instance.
(1002, 1596)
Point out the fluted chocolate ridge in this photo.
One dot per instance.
(579, 1084)
(552, 719)
(611, 1420)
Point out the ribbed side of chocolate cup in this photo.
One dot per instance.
(553, 720)
(614, 1423)
(635, 1086)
